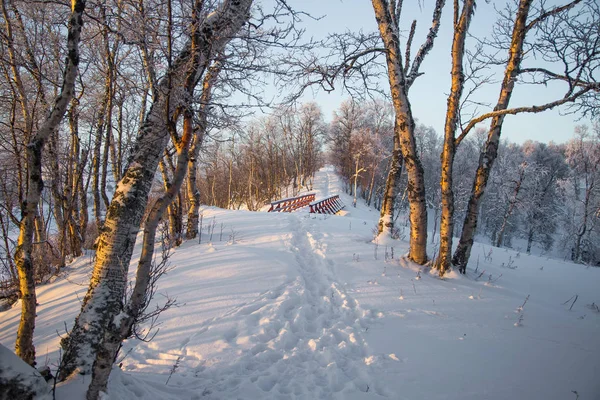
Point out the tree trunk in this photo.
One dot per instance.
(58, 196)
(529, 240)
(75, 169)
(119, 331)
(96, 162)
(103, 301)
(405, 130)
(583, 228)
(392, 186)
(461, 27)
(488, 156)
(24, 345)
(356, 172)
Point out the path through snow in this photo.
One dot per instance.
(302, 339)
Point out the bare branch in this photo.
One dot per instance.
(528, 109)
(411, 36)
(427, 45)
(550, 13)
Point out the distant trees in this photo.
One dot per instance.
(583, 195)
(270, 157)
(541, 211)
(361, 139)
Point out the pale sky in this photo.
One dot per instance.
(428, 95)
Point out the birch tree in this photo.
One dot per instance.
(104, 299)
(559, 36)
(193, 193)
(583, 156)
(461, 27)
(24, 346)
(401, 76)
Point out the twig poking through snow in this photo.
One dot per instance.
(520, 309)
(575, 297)
(480, 275)
(173, 369)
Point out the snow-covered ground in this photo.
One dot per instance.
(307, 306)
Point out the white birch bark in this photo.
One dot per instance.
(24, 344)
(405, 124)
(443, 261)
(104, 299)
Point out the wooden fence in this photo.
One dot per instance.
(291, 204)
(328, 205)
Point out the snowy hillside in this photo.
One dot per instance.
(307, 306)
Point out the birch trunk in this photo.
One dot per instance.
(24, 345)
(96, 163)
(405, 128)
(488, 156)
(386, 219)
(117, 332)
(461, 27)
(104, 299)
(75, 175)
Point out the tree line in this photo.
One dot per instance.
(539, 195)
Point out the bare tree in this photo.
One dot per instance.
(557, 30)
(401, 75)
(583, 156)
(35, 184)
(461, 27)
(193, 193)
(170, 98)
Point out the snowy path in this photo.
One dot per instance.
(326, 183)
(302, 339)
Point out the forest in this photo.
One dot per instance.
(126, 116)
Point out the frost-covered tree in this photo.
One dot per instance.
(39, 137)
(540, 213)
(94, 328)
(583, 195)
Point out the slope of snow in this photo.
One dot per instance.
(307, 306)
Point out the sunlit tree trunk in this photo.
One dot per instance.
(405, 124)
(490, 152)
(193, 194)
(117, 332)
(24, 345)
(461, 27)
(104, 299)
(392, 186)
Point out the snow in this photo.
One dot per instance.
(312, 307)
(14, 372)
